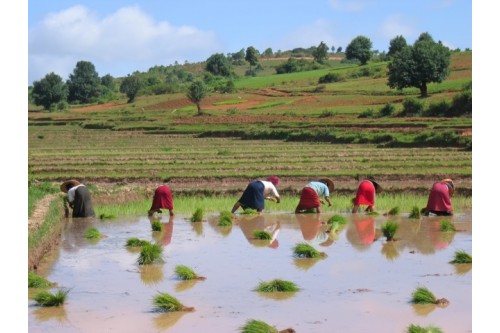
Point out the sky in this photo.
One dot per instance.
(122, 36)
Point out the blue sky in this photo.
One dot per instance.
(120, 37)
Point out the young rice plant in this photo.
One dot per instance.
(186, 273)
(277, 285)
(150, 252)
(169, 303)
(389, 229)
(37, 281)
(45, 298)
(304, 250)
(461, 257)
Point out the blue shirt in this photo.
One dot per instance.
(320, 188)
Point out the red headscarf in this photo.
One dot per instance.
(273, 179)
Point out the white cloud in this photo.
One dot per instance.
(125, 41)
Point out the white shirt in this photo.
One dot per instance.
(71, 192)
(269, 189)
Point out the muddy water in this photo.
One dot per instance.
(364, 284)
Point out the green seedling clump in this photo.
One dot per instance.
(169, 303)
(186, 273)
(415, 213)
(374, 213)
(45, 298)
(37, 281)
(257, 326)
(339, 219)
(225, 219)
(105, 216)
(304, 250)
(92, 233)
(262, 234)
(136, 242)
(389, 229)
(394, 211)
(446, 225)
(249, 211)
(419, 329)
(197, 215)
(461, 257)
(149, 253)
(422, 295)
(156, 226)
(277, 285)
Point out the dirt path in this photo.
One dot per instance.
(41, 209)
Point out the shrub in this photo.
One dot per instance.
(412, 107)
(368, 113)
(440, 109)
(331, 77)
(387, 110)
(277, 285)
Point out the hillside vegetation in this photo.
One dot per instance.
(285, 124)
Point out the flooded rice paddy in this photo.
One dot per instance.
(364, 284)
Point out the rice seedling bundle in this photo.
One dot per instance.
(461, 257)
(92, 233)
(389, 229)
(419, 329)
(186, 273)
(446, 226)
(262, 234)
(225, 219)
(37, 281)
(277, 285)
(156, 226)
(197, 215)
(149, 253)
(415, 213)
(45, 298)
(304, 250)
(136, 242)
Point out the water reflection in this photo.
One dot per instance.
(185, 285)
(46, 313)
(225, 231)
(361, 232)
(163, 237)
(278, 295)
(74, 233)
(166, 320)
(151, 274)
(248, 224)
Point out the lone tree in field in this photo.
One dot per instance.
(415, 66)
(130, 86)
(360, 48)
(252, 56)
(196, 92)
(83, 83)
(49, 91)
(320, 53)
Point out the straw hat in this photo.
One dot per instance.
(378, 188)
(449, 182)
(329, 183)
(72, 182)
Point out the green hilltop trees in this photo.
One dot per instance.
(360, 49)
(83, 83)
(419, 64)
(49, 91)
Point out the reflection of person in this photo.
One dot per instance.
(310, 196)
(365, 195)
(162, 199)
(439, 201)
(167, 229)
(258, 222)
(309, 225)
(361, 233)
(255, 193)
(79, 199)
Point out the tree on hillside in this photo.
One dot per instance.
(268, 52)
(415, 66)
(396, 44)
(130, 86)
(339, 49)
(196, 92)
(359, 49)
(218, 64)
(320, 54)
(83, 83)
(252, 56)
(49, 91)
